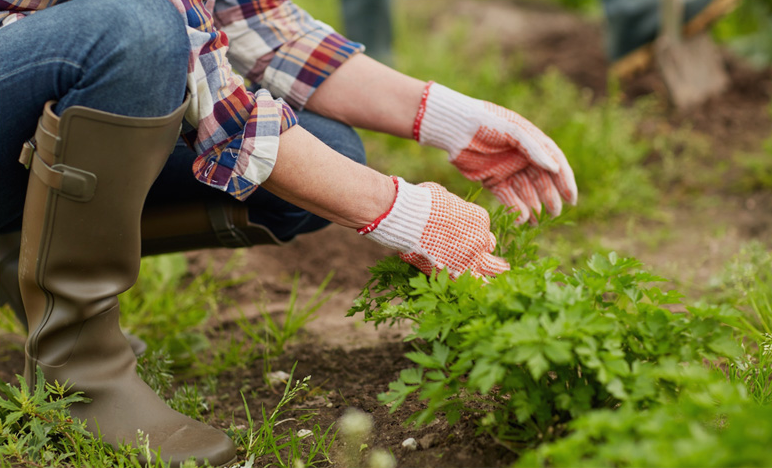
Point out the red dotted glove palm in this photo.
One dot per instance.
(434, 229)
(512, 158)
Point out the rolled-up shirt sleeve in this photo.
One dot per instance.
(281, 47)
(234, 132)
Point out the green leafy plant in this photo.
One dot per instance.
(710, 422)
(38, 430)
(535, 348)
(36, 425)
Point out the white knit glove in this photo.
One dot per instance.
(512, 158)
(434, 229)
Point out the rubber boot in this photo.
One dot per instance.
(9, 285)
(165, 229)
(194, 226)
(80, 248)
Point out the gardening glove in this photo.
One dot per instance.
(512, 158)
(434, 229)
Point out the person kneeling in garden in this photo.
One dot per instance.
(97, 115)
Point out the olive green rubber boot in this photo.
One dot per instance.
(10, 294)
(80, 248)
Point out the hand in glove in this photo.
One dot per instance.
(434, 229)
(512, 158)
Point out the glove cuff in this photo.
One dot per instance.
(446, 119)
(401, 227)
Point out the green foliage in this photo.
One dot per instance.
(748, 31)
(263, 337)
(534, 348)
(587, 6)
(599, 138)
(746, 284)
(36, 425)
(754, 371)
(276, 333)
(155, 368)
(8, 321)
(168, 309)
(755, 169)
(710, 422)
(38, 431)
(285, 447)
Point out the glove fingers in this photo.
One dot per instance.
(566, 183)
(522, 184)
(542, 182)
(487, 264)
(507, 196)
(492, 265)
(523, 134)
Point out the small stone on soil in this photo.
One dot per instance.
(410, 444)
(277, 377)
(428, 440)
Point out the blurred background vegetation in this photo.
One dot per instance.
(631, 179)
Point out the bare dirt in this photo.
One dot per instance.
(351, 362)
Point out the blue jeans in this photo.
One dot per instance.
(124, 57)
(633, 23)
(128, 58)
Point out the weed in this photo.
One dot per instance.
(709, 423)
(746, 284)
(755, 169)
(8, 321)
(286, 447)
(168, 309)
(275, 334)
(265, 337)
(37, 430)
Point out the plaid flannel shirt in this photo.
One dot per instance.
(272, 42)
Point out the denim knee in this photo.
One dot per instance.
(153, 38)
(138, 65)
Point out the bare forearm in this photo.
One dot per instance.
(313, 176)
(366, 94)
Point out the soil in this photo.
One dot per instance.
(351, 362)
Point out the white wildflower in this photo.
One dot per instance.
(355, 424)
(380, 458)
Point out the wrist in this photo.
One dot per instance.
(401, 226)
(446, 119)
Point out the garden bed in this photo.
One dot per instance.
(351, 363)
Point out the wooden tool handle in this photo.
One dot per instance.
(672, 15)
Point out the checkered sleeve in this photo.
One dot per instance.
(234, 132)
(281, 47)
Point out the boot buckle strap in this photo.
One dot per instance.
(27, 150)
(70, 182)
(226, 231)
